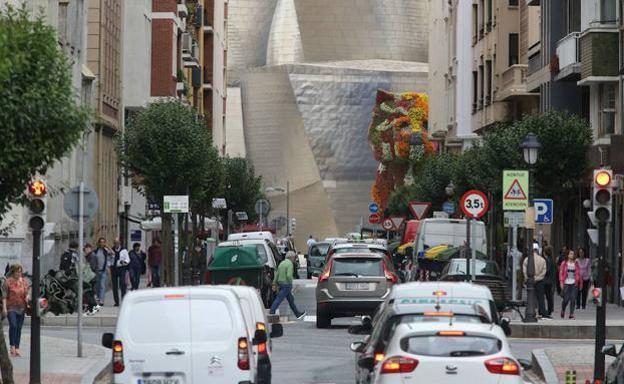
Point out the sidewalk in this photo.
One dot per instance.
(553, 363)
(59, 364)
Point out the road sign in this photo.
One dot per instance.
(373, 207)
(514, 219)
(387, 224)
(91, 203)
(263, 207)
(544, 209)
(219, 203)
(242, 216)
(419, 209)
(397, 221)
(474, 204)
(176, 204)
(374, 218)
(448, 207)
(515, 189)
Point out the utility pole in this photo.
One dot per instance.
(287, 208)
(601, 310)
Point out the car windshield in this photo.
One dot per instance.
(261, 253)
(451, 346)
(319, 250)
(357, 267)
(458, 267)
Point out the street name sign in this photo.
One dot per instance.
(474, 204)
(544, 209)
(176, 204)
(513, 219)
(219, 203)
(419, 209)
(242, 216)
(515, 190)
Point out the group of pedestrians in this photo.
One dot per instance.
(569, 275)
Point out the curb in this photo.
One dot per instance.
(541, 331)
(543, 367)
(72, 321)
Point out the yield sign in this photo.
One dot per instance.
(515, 192)
(397, 221)
(419, 209)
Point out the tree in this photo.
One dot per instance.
(242, 187)
(40, 120)
(167, 148)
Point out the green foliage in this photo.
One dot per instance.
(242, 187)
(40, 120)
(168, 148)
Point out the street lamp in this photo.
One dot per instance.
(287, 192)
(450, 189)
(530, 148)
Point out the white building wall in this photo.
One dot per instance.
(219, 87)
(440, 112)
(463, 69)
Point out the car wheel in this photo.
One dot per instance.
(323, 319)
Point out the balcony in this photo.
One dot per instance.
(514, 83)
(535, 63)
(533, 2)
(569, 54)
(599, 56)
(207, 78)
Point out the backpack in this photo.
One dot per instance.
(67, 261)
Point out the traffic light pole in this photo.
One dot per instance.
(35, 321)
(601, 311)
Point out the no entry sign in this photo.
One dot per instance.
(474, 204)
(374, 218)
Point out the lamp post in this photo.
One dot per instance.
(450, 189)
(530, 148)
(287, 192)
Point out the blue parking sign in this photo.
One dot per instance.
(544, 211)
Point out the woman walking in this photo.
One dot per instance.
(570, 282)
(15, 297)
(585, 266)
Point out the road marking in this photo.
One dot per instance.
(312, 285)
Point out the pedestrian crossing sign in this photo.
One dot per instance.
(515, 187)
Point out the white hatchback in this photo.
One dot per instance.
(448, 353)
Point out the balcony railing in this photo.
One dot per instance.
(568, 50)
(535, 63)
(513, 82)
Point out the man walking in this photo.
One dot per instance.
(137, 258)
(283, 281)
(154, 260)
(69, 258)
(119, 271)
(550, 280)
(540, 274)
(100, 258)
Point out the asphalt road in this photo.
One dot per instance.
(307, 355)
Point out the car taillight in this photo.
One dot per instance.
(118, 363)
(243, 354)
(503, 366)
(379, 356)
(262, 348)
(326, 272)
(399, 364)
(390, 276)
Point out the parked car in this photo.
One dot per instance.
(615, 371)
(315, 259)
(350, 285)
(184, 335)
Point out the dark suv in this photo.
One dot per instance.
(315, 259)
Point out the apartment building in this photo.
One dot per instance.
(499, 91)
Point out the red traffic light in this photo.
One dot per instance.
(37, 188)
(602, 179)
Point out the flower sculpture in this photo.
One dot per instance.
(398, 139)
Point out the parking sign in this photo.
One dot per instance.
(544, 209)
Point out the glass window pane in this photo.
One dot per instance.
(359, 266)
(452, 346)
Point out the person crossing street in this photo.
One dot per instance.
(283, 284)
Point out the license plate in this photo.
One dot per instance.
(163, 380)
(356, 286)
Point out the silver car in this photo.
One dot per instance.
(352, 284)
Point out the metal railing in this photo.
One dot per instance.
(535, 63)
(568, 50)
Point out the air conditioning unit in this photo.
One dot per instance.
(187, 42)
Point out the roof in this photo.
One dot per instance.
(241, 242)
(426, 289)
(359, 245)
(371, 255)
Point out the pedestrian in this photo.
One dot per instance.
(570, 282)
(282, 282)
(100, 258)
(136, 265)
(69, 258)
(310, 242)
(538, 278)
(154, 261)
(15, 299)
(89, 280)
(585, 270)
(550, 281)
(563, 254)
(119, 271)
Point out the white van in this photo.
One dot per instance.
(184, 335)
(260, 235)
(452, 232)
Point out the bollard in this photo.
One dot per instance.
(570, 377)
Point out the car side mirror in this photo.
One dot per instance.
(260, 337)
(609, 350)
(366, 362)
(277, 330)
(107, 340)
(525, 364)
(357, 346)
(505, 324)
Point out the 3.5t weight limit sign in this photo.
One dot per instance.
(474, 204)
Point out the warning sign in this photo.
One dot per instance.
(515, 187)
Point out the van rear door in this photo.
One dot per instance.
(157, 340)
(216, 325)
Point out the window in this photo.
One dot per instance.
(488, 81)
(607, 109)
(513, 49)
(475, 91)
(513, 3)
(481, 18)
(475, 23)
(357, 267)
(481, 87)
(607, 11)
(489, 15)
(571, 16)
(451, 346)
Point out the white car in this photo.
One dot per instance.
(184, 335)
(446, 352)
(264, 235)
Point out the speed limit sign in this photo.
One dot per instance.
(474, 204)
(387, 224)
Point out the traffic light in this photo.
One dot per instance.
(37, 191)
(597, 295)
(603, 194)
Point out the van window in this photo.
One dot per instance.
(159, 322)
(206, 326)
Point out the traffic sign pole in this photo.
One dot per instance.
(80, 262)
(601, 311)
